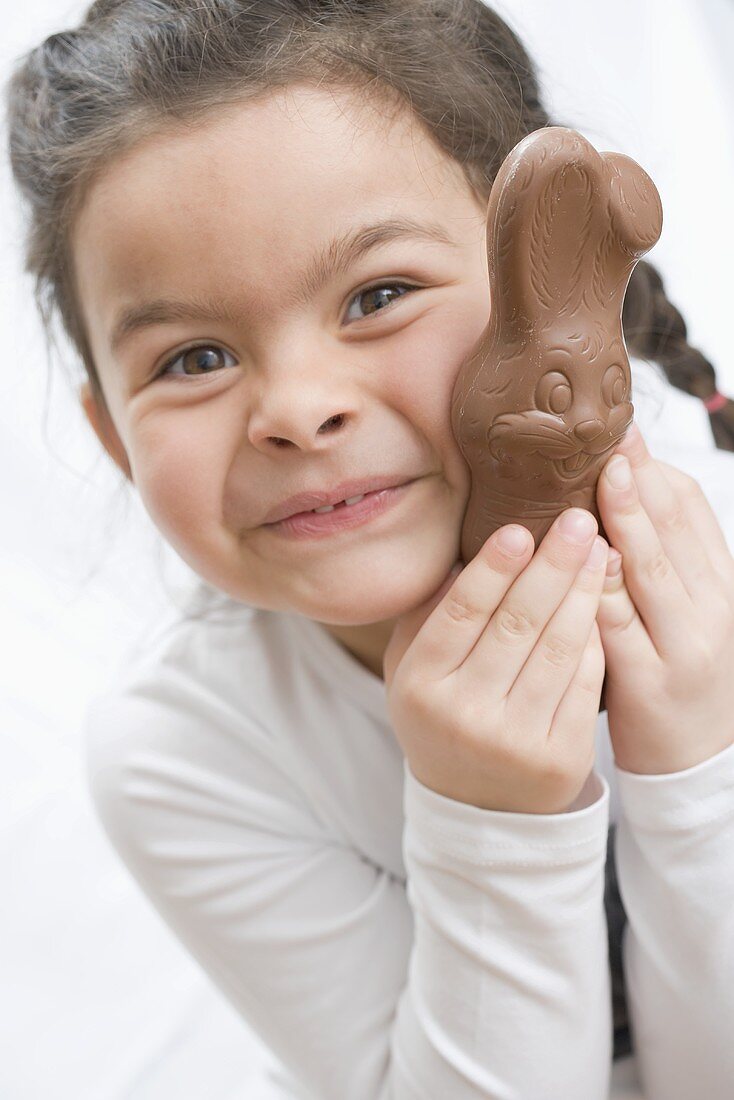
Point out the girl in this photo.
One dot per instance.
(399, 882)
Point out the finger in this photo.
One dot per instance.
(704, 521)
(661, 598)
(449, 633)
(574, 706)
(410, 623)
(553, 663)
(668, 510)
(521, 617)
(623, 634)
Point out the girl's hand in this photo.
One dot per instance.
(667, 621)
(493, 684)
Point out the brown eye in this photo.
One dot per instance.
(379, 297)
(200, 359)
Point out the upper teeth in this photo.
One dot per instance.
(331, 507)
(575, 462)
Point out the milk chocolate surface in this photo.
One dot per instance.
(545, 396)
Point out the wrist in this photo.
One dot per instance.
(588, 795)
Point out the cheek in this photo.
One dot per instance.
(177, 474)
(424, 372)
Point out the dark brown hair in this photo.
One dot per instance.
(134, 67)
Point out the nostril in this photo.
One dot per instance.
(333, 422)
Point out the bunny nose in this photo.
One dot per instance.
(588, 430)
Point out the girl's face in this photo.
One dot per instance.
(305, 375)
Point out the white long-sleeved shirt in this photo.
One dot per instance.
(385, 941)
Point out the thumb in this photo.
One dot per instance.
(409, 623)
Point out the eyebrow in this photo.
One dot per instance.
(338, 255)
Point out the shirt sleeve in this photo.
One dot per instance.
(675, 864)
(485, 975)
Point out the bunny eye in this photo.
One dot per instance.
(554, 392)
(614, 386)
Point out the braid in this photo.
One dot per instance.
(654, 329)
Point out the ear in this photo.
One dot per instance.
(106, 432)
(547, 208)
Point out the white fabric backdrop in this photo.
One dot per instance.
(98, 1001)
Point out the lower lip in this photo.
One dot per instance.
(343, 518)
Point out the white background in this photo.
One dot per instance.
(97, 1000)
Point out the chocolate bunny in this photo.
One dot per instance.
(545, 395)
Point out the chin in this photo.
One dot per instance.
(377, 596)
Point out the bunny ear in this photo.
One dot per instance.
(637, 212)
(634, 222)
(547, 210)
(565, 227)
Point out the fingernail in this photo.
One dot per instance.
(614, 563)
(618, 472)
(597, 554)
(513, 539)
(577, 525)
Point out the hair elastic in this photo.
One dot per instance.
(715, 402)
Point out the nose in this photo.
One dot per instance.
(307, 417)
(588, 430)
